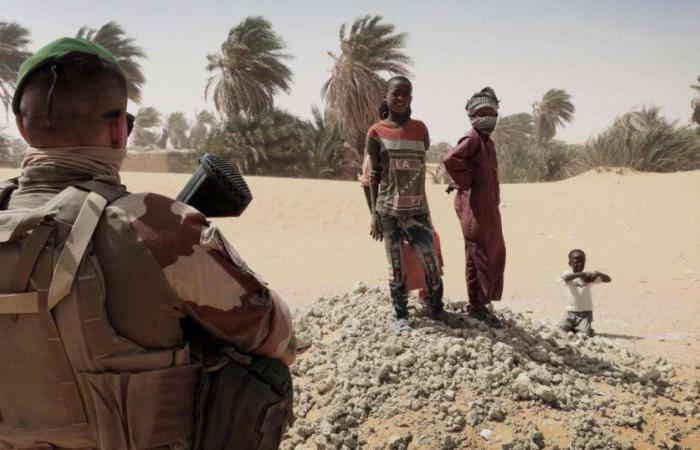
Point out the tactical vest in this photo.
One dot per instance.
(67, 379)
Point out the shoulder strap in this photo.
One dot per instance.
(74, 249)
(100, 195)
(109, 192)
(6, 188)
(66, 269)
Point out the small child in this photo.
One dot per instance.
(579, 310)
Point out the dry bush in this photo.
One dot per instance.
(522, 160)
(644, 140)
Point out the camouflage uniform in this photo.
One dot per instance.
(94, 350)
(163, 260)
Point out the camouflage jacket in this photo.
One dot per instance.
(162, 260)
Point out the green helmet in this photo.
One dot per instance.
(55, 52)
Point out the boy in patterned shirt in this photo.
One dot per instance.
(396, 147)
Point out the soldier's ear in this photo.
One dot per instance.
(19, 120)
(117, 131)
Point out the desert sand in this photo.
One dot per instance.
(309, 238)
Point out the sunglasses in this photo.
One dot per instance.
(130, 119)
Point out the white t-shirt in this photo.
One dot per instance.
(578, 293)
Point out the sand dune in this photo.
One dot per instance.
(310, 238)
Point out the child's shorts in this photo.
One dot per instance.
(578, 322)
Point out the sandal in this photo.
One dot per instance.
(450, 319)
(402, 326)
(487, 317)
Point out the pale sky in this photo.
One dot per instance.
(609, 55)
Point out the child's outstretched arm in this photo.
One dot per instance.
(585, 276)
(603, 277)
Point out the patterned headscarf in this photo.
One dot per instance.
(485, 97)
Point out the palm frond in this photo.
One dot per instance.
(14, 40)
(695, 104)
(328, 155)
(512, 128)
(646, 141)
(554, 110)
(148, 117)
(369, 50)
(204, 123)
(250, 70)
(5, 150)
(144, 134)
(177, 127)
(113, 37)
(696, 86)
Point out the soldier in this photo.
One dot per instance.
(124, 376)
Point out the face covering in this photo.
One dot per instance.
(101, 163)
(485, 124)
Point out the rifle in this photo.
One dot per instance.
(216, 189)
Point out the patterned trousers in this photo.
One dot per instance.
(418, 232)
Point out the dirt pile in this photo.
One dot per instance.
(526, 386)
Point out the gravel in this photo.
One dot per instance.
(361, 386)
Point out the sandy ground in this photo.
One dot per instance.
(309, 238)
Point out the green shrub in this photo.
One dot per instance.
(644, 140)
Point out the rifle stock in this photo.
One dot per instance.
(216, 189)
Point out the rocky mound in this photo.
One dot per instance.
(526, 386)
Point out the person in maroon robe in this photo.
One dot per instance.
(474, 170)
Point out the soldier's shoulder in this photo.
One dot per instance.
(169, 228)
(149, 204)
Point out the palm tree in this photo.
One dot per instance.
(5, 150)
(13, 51)
(112, 37)
(695, 103)
(514, 128)
(203, 123)
(269, 143)
(18, 148)
(369, 50)
(147, 117)
(519, 158)
(177, 127)
(250, 69)
(552, 111)
(328, 153)
(144, 134)
(436, 152)
(696, 86)
(163, 139)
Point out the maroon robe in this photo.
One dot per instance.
(473, 167)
